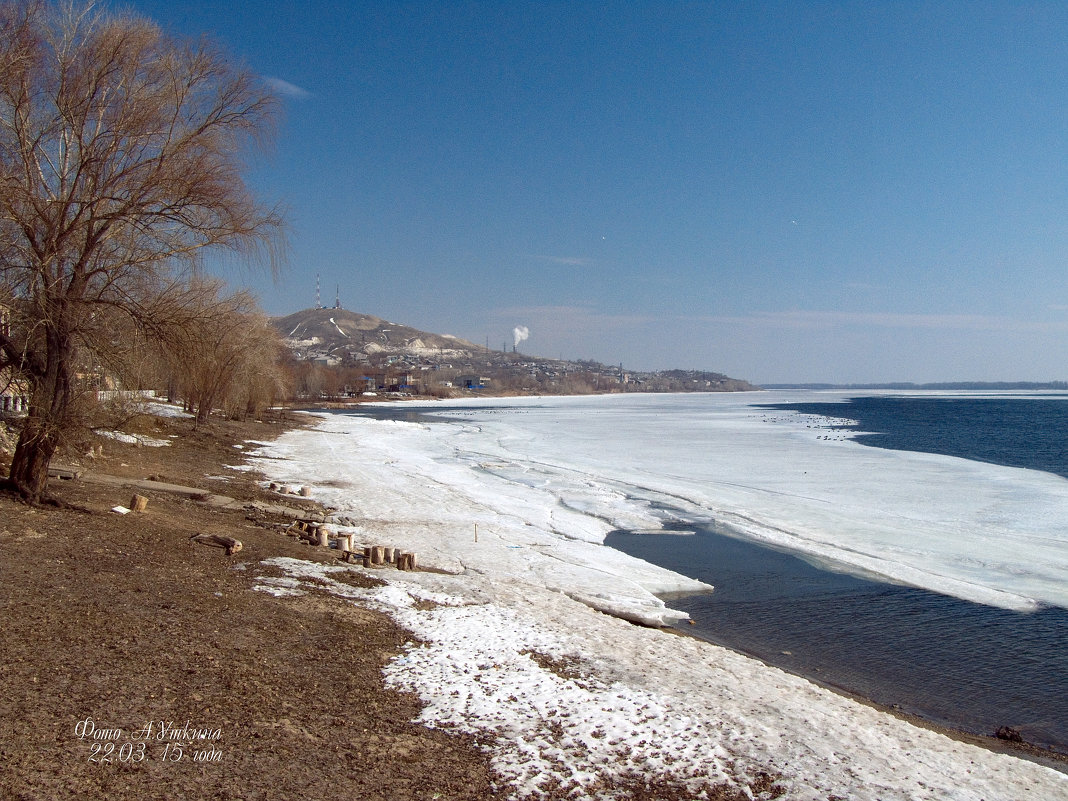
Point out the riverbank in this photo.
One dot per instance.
(122, 640)
(563, 693)
(303, 675)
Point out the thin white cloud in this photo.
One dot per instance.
(834, 319)
(287, 89)
(796, 320)
(574, 317)
(565, 261)
(585, 318)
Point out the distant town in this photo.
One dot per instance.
(343, 354)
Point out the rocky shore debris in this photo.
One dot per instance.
(318, 533)
(303, 492)
(231, 545)
(1010, 733)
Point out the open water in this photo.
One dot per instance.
(970, 666)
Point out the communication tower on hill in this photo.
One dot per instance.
(318, 304)
(337, 297)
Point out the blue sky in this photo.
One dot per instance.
(844, 192)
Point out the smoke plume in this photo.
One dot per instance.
(519, 333)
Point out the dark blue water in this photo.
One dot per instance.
(972, 667)
(1018, 432)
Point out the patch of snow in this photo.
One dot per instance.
(135, 439)
(561, 691)
(161, 409)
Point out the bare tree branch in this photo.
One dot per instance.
(120, 164)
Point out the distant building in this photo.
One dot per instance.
(14, 394)
(472, 381)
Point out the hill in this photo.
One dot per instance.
(367, 353)
(340, 334)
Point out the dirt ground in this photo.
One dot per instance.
(114, 627)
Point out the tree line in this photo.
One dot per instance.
(122, 156)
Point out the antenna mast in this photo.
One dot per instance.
(318, 304)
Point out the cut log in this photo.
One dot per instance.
(61, 471)
(138, 503)
(231, 545)
(305, 492)
(323, 537)
(378, 556)
(390, 555)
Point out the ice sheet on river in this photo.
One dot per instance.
(577, 467)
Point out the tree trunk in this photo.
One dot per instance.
(47, 416)
(29, 465)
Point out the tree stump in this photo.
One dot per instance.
(322, 537)
(305, 492)
(138, 503)
(378, 556)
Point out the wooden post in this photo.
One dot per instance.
(138, 503)
(305, 492)
(344, 542)
(378, 555)
(476, 532)
(389, 554)
(324, 536)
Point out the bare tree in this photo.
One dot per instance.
(120, 163)
(222, 352)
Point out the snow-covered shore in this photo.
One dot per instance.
(513, 649)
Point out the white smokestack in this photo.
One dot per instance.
(519, 333)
